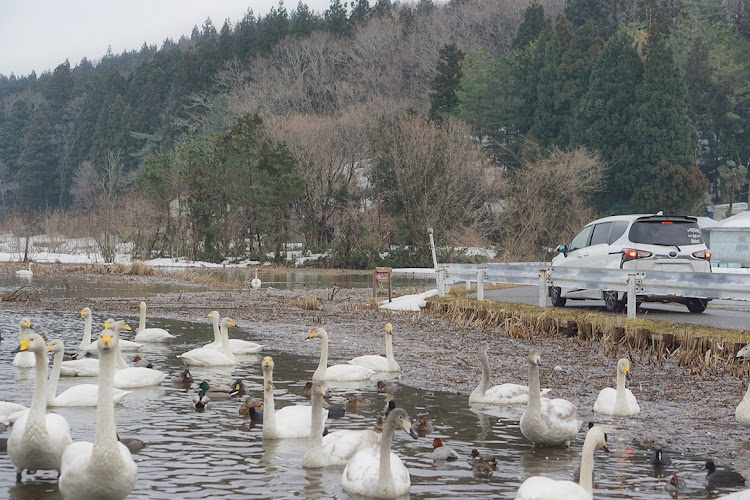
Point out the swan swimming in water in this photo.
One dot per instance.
(24, 359)
(618, 402)
(25, 273)
(336, 372)
(380, 363)
(500, 394)
(150, 334)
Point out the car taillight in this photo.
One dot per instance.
(702, 254)
(632, 254)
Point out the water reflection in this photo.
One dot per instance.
(219, 454)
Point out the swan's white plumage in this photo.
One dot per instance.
(380, 363)
(78, 395)
(742, 413)
(290, 422)
(336, 372)
(337, 447)
(126, 376)
(25, 273)
(237, 346)
(38, 438)
(255, 283)
(618, 402)
(24, 359)
(378, 472)
(500, 394)
(103, 469)
(87, 345)
(205, 356)
(87, 367)
(544, 488)
(150, 334)
(547, 421)
(10, 412)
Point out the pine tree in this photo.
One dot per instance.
(447, 80)
(336, 21)
(37, 176)
(302, 21)
(532, 26)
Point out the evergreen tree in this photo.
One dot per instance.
(37, 176)
(383, 8)
(531, 27)
(12, 132)
(226, 42)
(361, 12)
(303, 21)
(59, 91)
(273, 28)
(336, 21)
(600, 12)
(447, 80)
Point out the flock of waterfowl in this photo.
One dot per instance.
(42, 441)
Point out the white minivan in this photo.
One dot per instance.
(635, 242)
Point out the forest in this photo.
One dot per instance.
(352, 131)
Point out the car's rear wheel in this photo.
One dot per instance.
(611, 302)
(555, 295)
(697, 305)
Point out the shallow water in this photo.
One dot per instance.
(218, 454)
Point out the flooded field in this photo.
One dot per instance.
(219, 454)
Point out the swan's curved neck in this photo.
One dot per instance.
(225, 343)
(217, 333)
(389, 349)
(121, 364)
(320, 371)
(86, 341)
(484, 381)
(269, 411)
(54, 376)
(534, 406)
(38, 408)
(105, 437)
(586, 478)
(315, 445)
(621, 402)
(142, 320)
(385, 479)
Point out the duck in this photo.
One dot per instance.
(88, 346)
(38, 438)
(442, 452)
(78, 395)
(543, 488)
(255, 283)
(422, 427)
(25, 273)
(336, 411)
(353, 401)
(237, 346)
(675, 485)
(483, 468)
(308, 390)
(337, 447)
(290, 422)
(131, 377)
(387, 387)
(345, 372)
(660, 459)
(237, 389)
(135, 445)
(503, 394)
(378, 472)
(251, 404)
(150, 334)
(549, 422)
(618, 402)
(201, 401)
(139, 361)
(380, 363)
(203, 356)
(104, 468)
(24, 359)
(182, 377)
(722, 477)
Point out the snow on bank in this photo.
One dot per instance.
(408, 302)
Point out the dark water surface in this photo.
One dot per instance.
(219, 454)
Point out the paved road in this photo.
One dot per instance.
(731, 315)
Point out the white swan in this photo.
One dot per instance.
(255, 282)
(78, 395)
(25, 273)
(547, 421)
(290, 422)
(130, 377)
(24, 359)
(204, 356)
(10, 412)
(502, 394)
(378, 472)
(544, 488)
(620, 402)
(38, 438)
(742, 413)
(335, 448)
(380, 363)
(237, 346)
(104, 468)
(150, 334)
(88, 346)
(336, 372)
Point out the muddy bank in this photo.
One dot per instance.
(681, 412)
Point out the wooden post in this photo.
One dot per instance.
(382, 275)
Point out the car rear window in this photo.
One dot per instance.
(661, 232)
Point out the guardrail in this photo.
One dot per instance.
(698, 285)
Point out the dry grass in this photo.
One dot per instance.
(308, 303)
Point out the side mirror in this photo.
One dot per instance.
(563, 250)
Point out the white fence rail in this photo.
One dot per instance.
(698, 285)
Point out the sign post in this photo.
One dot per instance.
(382, 275)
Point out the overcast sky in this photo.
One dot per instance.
(39, 35)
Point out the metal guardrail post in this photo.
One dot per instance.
(441, 282)
(480, 283)
(543, 288)
(432, 247)
(631, 296)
